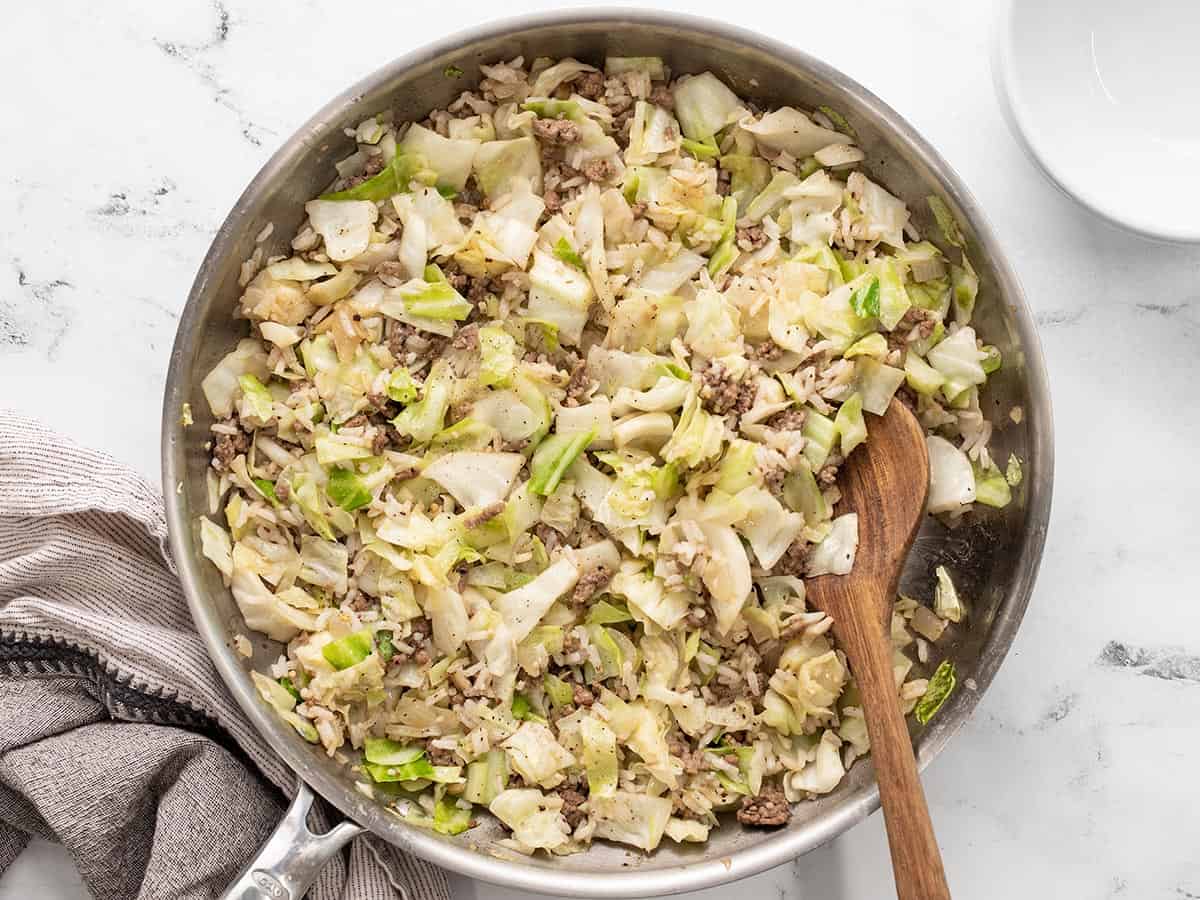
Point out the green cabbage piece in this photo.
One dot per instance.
(553, 457)
(951, 479)
(449, 818)
(771, 197)
(534, 818)
(350, 650)
(347, 490)
(865, 299)
(568, 254)
(423, 419)
(498, 163)
(739, 467)
(876, 383)
(413, 771)
(283, 701)
(536, 755)
(628, 818)
(434, 300)
(941, 686)
(703, 150)
(698, 435)
(991, 487)
(498, 356)
(1013, 473)
(256, 399)
(395, 178)
(964, 285)
(922, 377)
(946, 222)
(546, 108)
(385, 752)
(599, 757)
(959, 361)
(465, 434)
(220, 386)
(749, 176)
(559, 294)
(652, 65)
(216, 545)
(652, 132)
(946, 602)
(802, 493)
(487, 777)
(704, 105)
(819, 434)
(451, 158)
(604, 613)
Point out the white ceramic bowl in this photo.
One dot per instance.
(1105, 96)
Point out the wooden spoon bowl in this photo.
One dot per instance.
(886, 482)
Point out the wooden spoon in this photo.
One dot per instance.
(886, 482)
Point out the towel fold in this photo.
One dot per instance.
(117, 737)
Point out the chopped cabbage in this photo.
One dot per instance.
(835, 554)
(476, 478)
(704, 105)
(536, 756)
(498, 163)
(951, 479)
(553, 457)
(599, 757)
(946, 602)
(451, 158)
(533, 817)
(221, 385)
(345, 226)
(635, 819)
(559, 294)
(790, 130)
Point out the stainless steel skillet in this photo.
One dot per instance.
(995, 556)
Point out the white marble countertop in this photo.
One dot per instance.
(131, 126)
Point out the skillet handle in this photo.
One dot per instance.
(292, 857)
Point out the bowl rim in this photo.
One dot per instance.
(633, 882)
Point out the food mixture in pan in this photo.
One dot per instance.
(536, 437)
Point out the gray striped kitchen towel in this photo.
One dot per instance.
(117, 737)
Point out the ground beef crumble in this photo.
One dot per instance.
(719, 390)
(466, 338)
(751, 237)
(557, 131)
(548, 536)
(227, 446)
(599, 170)
(583, 696)
(769, 809)
(578, 385)
(693, 760)
(439, 756)
(661, 96)
(767, 350)
(787, 420)
(794, 560)
(589, 583)
(914, 318)
(486, 514)
(590, 85)
(572, 810)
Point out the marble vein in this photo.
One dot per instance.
(194, 56)
(37, 317)
(1169, 665)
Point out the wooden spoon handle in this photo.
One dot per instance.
(916, 859)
